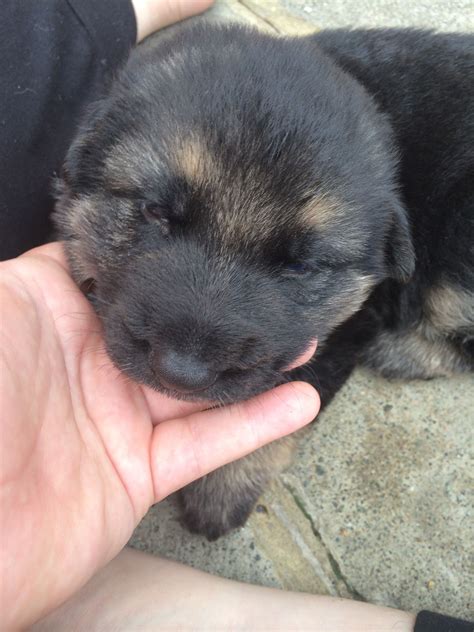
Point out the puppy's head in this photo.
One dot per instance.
(232, 198)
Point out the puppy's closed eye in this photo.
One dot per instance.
(154, 213)
(297, 268)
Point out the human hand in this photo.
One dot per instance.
(84, 451)
(152, 15)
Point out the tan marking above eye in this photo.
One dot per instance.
(337, 220)
(194, 161)
(322, 210)
(131, 162)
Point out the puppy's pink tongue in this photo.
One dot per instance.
(304, 357)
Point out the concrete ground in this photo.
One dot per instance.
(379, 503)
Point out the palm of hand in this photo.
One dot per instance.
(76, 437)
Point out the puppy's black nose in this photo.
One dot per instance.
(182, 372)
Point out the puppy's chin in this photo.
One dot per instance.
(231, 386)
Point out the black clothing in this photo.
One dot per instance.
(432, 622)
(55, 57)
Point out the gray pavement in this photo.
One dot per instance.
(379, 503)
(443, 15)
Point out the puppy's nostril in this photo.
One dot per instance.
(88, 287)
(182, 372)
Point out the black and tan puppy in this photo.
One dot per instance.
(236, 195)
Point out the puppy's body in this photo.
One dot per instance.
(425, 83)
(236, 196)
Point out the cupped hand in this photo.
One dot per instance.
(152, 15)
(84, 451)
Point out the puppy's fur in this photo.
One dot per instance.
(236, 195)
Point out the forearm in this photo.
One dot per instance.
(138, 591)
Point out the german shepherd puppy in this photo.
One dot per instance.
(236, 195)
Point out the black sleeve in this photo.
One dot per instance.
(55, 55)
(432, 622)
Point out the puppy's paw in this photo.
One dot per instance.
(214, 515)
(214, 524)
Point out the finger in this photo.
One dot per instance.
(53, 250)
(183, 450)
(304, 357)
(152, 15)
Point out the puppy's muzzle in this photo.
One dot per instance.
(182, 372)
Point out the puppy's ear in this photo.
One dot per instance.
(79, 165)
(400, 253)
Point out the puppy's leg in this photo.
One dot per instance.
(412, 354)
(224, 499)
